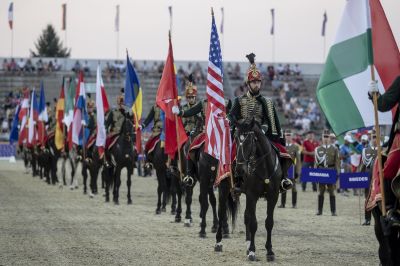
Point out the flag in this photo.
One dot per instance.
(102, 108)
(43, 117)
(11, 15)
(133, 91)
(133, 99)
(273, 21)
(14, 127)
(23, 117)
(116, 18)
(59, 135)
(324, 20)
(167, 96)
(343, 85)
(69, 102)
(64, 17)
(218, 143)
(80, 115)
(222, 21)
(33, 118)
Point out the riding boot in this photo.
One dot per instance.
(320, 204)
(283, 200)
(332, 200)
(294, 199)
(393, 215)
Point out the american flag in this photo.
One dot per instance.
(218, 142)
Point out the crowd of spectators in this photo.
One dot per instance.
(26, 66)
(7, 113)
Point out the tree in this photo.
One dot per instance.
(49, 45)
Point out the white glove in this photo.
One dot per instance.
(83, 123)
(373, 86)
(175, 110)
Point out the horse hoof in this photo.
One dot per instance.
(214, 229)
(158, 211)
(218, 247)
(71, 188)
(188, 222)
(91, 195)
(107, 200)
(202, 234)
(116, 202)
(76, 187)
(178, 219)
(271, 257)
(129, 201)
(251, 256)
(163, 209)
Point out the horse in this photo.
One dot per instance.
(94, 164)
(159, 161)
(123, 154)
(256, 160)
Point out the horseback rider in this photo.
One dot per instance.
(113, 125)
(327, 157)
(294, 150)
(368, 156)
(391, 168)
(252, 105)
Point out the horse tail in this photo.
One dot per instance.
(232, 209)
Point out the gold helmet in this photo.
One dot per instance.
(253, 73)
(190, 88)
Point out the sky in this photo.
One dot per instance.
(144, 26)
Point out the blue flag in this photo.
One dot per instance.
(133, 92)
(14, 128)
(42, 105)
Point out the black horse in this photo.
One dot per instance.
(256, 160)
(388, 238)
(206, 168)
(94, 164)
(123, 154)
(159, 161)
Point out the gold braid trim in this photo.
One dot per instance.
(270, 108)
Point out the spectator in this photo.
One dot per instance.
(5, 66)
(237, 72)
(21, 65)
(77, 67)
(271, 72)
(57, 66)
(280, 70)
(40, 66)
(297, 70)
(86, 68)
(229, 69)
(12, 66)
(29, 66)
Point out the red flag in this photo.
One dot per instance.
(167, 96)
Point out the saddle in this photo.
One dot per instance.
(111, 140)
(151, 144)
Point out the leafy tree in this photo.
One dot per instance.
(49, 45)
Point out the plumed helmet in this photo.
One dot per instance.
(253, 73)
(190, 88)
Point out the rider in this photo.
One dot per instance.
(193, 117)
(391, 168)
(252, 105)
(113, 125)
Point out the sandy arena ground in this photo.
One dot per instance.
(45, 225)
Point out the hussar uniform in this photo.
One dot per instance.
(251, 106)
(327, 157)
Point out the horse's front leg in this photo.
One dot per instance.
(128, 183)
(203, 206)
(117, 183)
(188, 201)
(85, 177)
(269, 224)
(251, 226)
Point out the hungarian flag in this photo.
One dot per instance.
(167, 97)
(364, 38)
(23, 118)
(59, 135)
(102, 108)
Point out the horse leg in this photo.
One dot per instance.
(269, 224)
(128, 183)
(85, 177)
(159, 191)
(222, 196)
(213, 202)
(105, 175)
(117, 183)
(251, 203)
(384, 250)
(188, 201)
(203, 207)
(169, 191)
(178, 217)
(63, 171)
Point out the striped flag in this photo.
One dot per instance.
(218, 142)
(43, 117)
(11, 15)
(324, 20)
(33, 118)
(117, 18)
(64, 16)
(102, 108)
(272, 32)
(80, 115)
(343, 85)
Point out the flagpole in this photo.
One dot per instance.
(177, 141)
(117, 45)
(378, 140)
(12, 42)
(324, 49)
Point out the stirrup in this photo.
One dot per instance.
(286, 184)
(188, 180)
